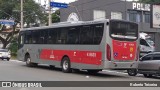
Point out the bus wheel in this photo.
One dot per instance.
(93, 71)
(29, 63)
(66, 66)
(132, 72)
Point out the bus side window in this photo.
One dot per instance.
(43, 37)
(62, 36)
(98, 33)
(86, 35)
(35, 37)
(28, 37)
(73, 35)
(52, 36)
(143, 42)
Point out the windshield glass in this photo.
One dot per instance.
(150, 41)
(123, 30)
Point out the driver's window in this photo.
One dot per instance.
(147, 57)
(143, 42)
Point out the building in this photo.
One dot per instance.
(87, 10)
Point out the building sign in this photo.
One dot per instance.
(155, 22)
(141, 6)
(73, 17)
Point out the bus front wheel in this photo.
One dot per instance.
(66, 65)
(28, 62)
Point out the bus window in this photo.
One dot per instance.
(62, 36)
(123, 30)
(98, 33)
(42, 37)
(73, 35)
(28, 37)
(86, 35)
(52, 36)
(35, 37)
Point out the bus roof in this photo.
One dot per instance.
(63, 24)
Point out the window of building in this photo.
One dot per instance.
(99, 14)
(135, 16)
(147, 17)
(116, 15)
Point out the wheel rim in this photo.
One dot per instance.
(65, 65)
(28, 60)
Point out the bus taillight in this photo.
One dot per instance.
(108, 52)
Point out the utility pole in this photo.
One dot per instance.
(21, 14)
(49, 17)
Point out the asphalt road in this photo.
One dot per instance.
(17, 71)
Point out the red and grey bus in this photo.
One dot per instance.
(88, 45)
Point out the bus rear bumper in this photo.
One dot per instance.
(121, 65)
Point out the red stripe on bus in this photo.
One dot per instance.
(85, 57)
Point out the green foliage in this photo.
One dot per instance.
(56, 16)
(150, 1)
(32, 10)
(13, 47)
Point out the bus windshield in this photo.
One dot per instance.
(120, 30)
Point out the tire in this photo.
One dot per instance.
(66, 65)
(93, 71)
(147, 75)
(8, 59)
(28, 62)
(132, 72)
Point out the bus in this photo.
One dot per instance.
(90, 45)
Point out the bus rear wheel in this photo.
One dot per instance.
(28, 61)
(132, 72)
(66, 65)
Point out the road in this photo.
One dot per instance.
(17, 71)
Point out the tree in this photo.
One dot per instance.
(56, 16)
(150, 1)
(10, 9)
